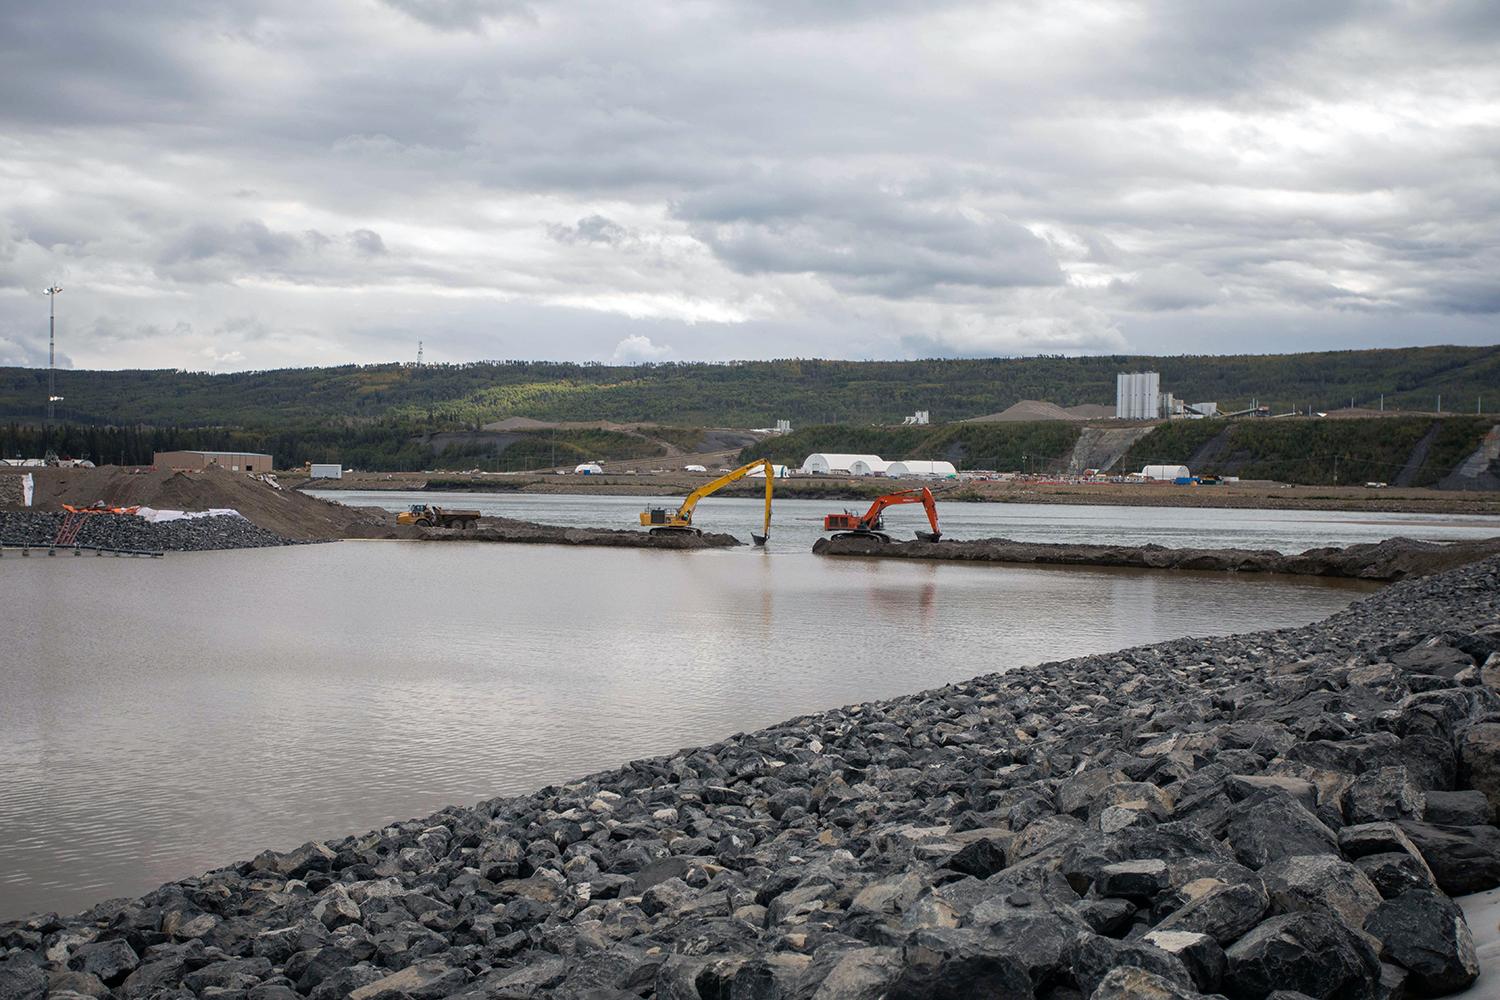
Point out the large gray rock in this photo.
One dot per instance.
(981, 859)
(1436, 659)
(1200, 954)
(22, 981)
(1129, 983)
(1463, 859)
(423, 981)
(1396, 873)
(1470, 807)
(1426, 934)
(1138, 880)
(1222, 911)
(1382, 795)
(861, 974)
(1321, 882)
(1312, 953)
(111, 961)
(1093, 957)
(1479, 761)
(1270, 826)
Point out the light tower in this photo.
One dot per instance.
(419, 354)
(52, 396)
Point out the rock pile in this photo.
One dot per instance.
(1283, 814)
(1392, 559)
(128, 532)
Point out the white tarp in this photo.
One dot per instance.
(157, 516)
(28, 490)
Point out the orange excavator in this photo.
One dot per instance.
(872, 525)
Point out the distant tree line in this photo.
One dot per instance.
(742, 394)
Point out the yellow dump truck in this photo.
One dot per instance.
(427, 516)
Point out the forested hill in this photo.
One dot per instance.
(754, 393)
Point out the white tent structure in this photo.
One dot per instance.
(1166, 472)
(822, 463)
(777, 471)
(868, 466)
(588, 469)
(916, 470)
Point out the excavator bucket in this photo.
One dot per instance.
(758, 539)
(929, 536)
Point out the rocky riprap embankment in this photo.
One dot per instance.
(130, 533)
(1392, 559)
(1252, 815)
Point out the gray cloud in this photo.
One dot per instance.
(286, 183)
(593, 229)
(459, 15)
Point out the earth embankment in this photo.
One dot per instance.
(1392, 559)
(264, 502)
(505, 530)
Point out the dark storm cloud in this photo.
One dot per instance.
(283, 181)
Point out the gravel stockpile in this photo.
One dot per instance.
(128, 532)
(1282, 811)
(1392, 559)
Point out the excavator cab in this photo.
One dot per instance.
(652, 516)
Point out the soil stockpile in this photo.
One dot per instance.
(286, 512)
(130, 533)
(499, 529)
(1392, 559)
(1287, 810)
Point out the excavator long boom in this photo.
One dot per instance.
(922, 496)
(685, 512)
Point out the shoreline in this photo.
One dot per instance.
(1157, 816)
(1389, 560)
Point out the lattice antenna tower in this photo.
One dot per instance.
(52, 396)
(419, 354)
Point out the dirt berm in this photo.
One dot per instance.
(289, 513)
(499, 529)
(1392, 559)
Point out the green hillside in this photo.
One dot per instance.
(740, 394)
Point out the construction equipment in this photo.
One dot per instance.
(425, 515)
(872, 525)
(664, 521)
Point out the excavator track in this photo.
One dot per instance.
(879, 536)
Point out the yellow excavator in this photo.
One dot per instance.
(663, 520)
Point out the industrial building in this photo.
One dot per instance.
(822, 463)
(915, 469)
(869, 465)
(1166, 473)
(1137, 396)
(321, 470)
(234, 461)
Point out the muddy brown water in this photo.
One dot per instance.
(159, 718)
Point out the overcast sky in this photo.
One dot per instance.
(326, 181)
